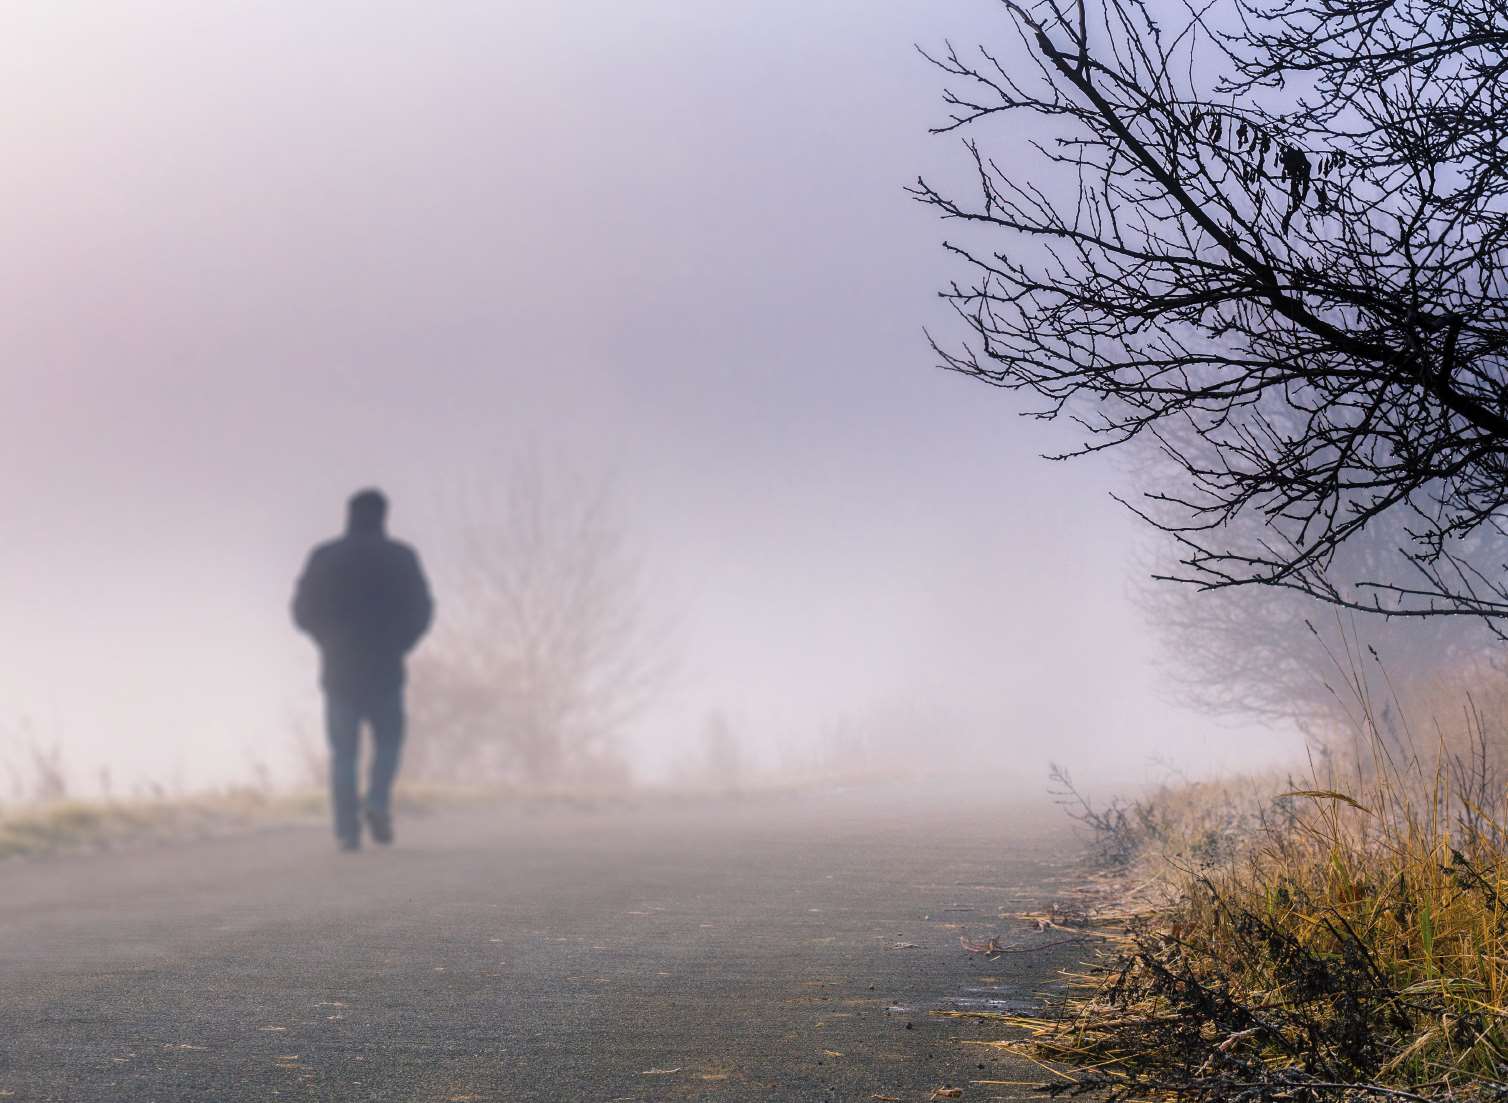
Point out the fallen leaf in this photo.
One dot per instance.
(832, 1053)
(947, 1093)
(991, 949)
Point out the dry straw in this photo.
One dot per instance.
(1342, 937)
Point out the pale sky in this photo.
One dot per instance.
(256, 255)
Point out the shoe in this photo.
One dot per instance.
(350, 846)
(380, 824)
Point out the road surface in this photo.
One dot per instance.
(771, 949)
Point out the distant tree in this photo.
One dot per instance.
(1270, 241)
(548, 642)
(715, 758)
(1281, 655)
(1248, 652)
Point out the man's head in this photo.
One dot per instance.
(366, 511)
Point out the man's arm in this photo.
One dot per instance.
(418, 605)
(309, 599)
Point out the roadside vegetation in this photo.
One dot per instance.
(44, 812)
(80, 825)
(1338, 932)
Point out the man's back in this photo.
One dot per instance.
(364, 599)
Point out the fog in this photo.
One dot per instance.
(253, 257)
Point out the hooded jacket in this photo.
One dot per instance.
(364, 600)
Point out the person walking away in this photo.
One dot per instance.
(364, 600)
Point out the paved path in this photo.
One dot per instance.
(785, 949)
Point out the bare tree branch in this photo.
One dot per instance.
(1287, 276)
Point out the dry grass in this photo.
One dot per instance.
(79, 825)
(46, 828)
(1342, 937)
(65, 826)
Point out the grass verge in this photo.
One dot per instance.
(84, 826)
(1345, 938)
(72, 826)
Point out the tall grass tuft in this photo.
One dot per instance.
(1347, 937)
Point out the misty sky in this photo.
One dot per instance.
(253, 256)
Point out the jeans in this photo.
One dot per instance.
(343, 717)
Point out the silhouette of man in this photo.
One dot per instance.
(364, 600)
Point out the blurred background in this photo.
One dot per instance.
(638, 282)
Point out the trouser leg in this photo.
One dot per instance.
(343, 727)
(387, 745)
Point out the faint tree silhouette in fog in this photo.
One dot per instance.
(34, 767)
(1248, 652)
(1259, 652)
(717, 759)
(1269, 240)
(549, 643)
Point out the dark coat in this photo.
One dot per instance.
(364, 599)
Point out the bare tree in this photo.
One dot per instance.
(1270, 240)
(549, 643)
(716, 760)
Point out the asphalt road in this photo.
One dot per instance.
(767, 949)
